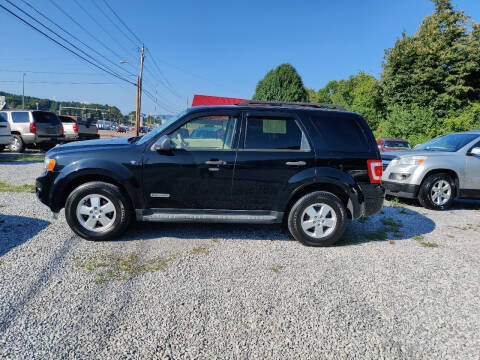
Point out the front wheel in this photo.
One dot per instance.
(318, 219)
(437, 192)
(97, 211)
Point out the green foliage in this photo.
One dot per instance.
(281, 84)
(439, 66)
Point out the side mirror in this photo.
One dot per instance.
(475, 151)
(163, 144)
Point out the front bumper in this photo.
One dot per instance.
(43, 186)
(409, 191)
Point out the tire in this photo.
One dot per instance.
(446, 190)
(17, 144)
(2, 147)
(333, 213)
(96, 224)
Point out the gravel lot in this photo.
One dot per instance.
(231, 291)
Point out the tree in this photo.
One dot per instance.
(437, 67)
(281, 84)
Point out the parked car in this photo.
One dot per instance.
(121, 129)
(312, 168)
(42, 129)
(76, 128)
(389, 144)
(5, 133)
(436, 172)
(144, 130)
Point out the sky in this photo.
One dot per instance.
(205, 47)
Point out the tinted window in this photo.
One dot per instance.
(448, 143)
(3, 117)
(397, 144)
(45, 118)
(206, 132)
(20, 117)
(66, 119)
(341, 133)
(274, 134)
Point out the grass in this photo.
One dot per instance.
(118, 267)
(419, 239)
(2, 206)
(201, 250)
(277, 269)
(395, 202)
(390, 226)
(391, 242)
(363, 219)
(1, 262)
(23, 158)
(405, 212)
(451, 236)
(428, 244)
(215, 240)
(4, 187)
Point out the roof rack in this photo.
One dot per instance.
(292, 104)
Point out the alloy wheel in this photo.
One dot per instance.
(96, 213)
(318, 220)
(441, 192)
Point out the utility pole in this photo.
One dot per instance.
(23, 91)
(139, 93)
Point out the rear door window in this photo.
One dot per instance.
(46, 118)
(341, 133)
(20, 117)
(274, 134)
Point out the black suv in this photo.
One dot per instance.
(312, 166)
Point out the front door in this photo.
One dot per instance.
(197, 174)
(272, 151)
(472, 172)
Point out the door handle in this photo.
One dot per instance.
(296, 163)
(215, 162)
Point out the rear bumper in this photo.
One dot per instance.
(88, 136)
(371, 199)
(409, 191)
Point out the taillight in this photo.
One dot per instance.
(33, 128)
(63, 130)
(75, 128)
(375, 170)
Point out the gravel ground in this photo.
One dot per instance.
(231, 291)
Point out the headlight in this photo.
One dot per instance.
(411, 160)
(49, 164)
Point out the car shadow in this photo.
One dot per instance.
(151, 230)
(16, 230)
(392, 224)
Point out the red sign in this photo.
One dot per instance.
(206, 100)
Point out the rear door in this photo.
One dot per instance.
(472, 172)
(273, 149)
(47, 124)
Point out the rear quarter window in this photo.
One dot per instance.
(3, 117)
(46, 118)
(20, 117)
(341, 133)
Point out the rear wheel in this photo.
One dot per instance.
(437, 192)
(2, 147)
(318, 219)
(17, 144)
(98, 211)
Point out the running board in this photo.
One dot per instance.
(209, 216)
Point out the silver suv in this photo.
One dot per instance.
(437, 171)
(41, 129)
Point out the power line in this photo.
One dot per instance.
(56, 82)
(115, 24)
(65, 47)
(123, 23)
(48, 72)
(74, 37)
(86, 31)
(168, 85)
(101, 26)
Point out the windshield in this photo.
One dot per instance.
(397, 144)
(448, 143)
(159, 129)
